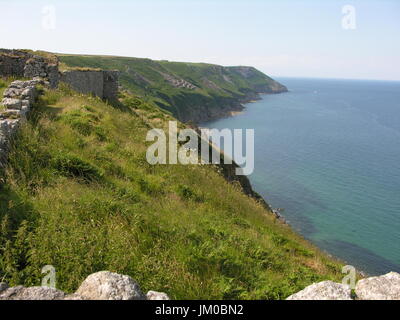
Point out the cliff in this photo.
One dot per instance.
(191, 92)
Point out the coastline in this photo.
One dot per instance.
(277, 212)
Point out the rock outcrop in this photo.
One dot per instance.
(386, 287)
(103, 285)
(326, 290)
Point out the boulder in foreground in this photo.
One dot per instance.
(326, 290)
(105, 285)
(386, 287)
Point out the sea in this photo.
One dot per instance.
(327, 153)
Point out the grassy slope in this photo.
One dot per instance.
(78, 194)
(216, 86)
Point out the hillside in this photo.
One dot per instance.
(78, 193)
(189, 91)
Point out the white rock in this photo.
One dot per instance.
(386, 287)
(11, 103)
(154, 295)
(326, 290)
(105, 285)
(32, 293)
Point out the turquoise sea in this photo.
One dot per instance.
(328, 152)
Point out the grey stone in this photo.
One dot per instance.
(73, 296)
(32, 293)
(105, 285)
(154, 295)
(12, 92)
(386, 287)
(326, 290)
(11, 103)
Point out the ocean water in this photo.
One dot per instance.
(328, 153)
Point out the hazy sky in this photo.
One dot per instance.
(281, 38)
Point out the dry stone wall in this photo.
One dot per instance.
(17, 102)
(21, 63)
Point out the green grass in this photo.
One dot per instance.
(79, 194)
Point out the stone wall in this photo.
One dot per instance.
(12, 63)
(87, 82)
(21, 63)
(17, 102)
(103, 84)
(25, 64)
(110, 88)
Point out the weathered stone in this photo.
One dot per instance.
(105, 285)
(12, 92)
(103, 84)
(386, 287)
(154, 295)
(32, 293)
(11, 103)
(73, 296)
(326, 290)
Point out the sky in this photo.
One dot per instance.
(286, 38)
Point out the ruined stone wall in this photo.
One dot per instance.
(110, 88)
(87, 82)
(21, 63)
(103, 84)
(17, 102)
(12, 63)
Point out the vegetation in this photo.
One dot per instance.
(78, 194)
